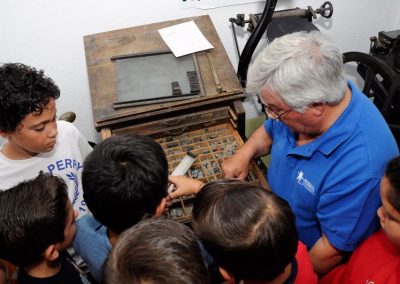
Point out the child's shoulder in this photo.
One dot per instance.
(70, 142)
(88, 221)
(88, 228)
(67, 131)
(66, 126)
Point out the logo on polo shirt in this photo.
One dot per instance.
(304, 182)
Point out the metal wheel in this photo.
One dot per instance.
(380, 83)
(377, 77)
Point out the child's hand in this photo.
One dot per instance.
(184, 186)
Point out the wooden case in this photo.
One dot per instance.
(217, 116)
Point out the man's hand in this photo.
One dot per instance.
(324, 256)
(257, 145)
(184, 186)
(236, 166)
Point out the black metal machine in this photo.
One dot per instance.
(386, 47)
(380, 71)
(275, 24)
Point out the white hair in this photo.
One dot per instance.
(302, 68)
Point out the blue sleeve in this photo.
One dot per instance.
(79, 240)
(269, 127)
(92, 244)
(347, 213)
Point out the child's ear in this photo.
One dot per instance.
(160, 208)
(226, 275)
(51, 253)
(4, 134)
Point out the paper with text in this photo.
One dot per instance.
(184, 39)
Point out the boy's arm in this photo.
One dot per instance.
(184, 186)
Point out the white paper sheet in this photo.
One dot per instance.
(184, 39)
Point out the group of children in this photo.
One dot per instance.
(56, 192)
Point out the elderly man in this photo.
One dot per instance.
(328, 144)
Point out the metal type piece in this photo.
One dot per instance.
(176, 89)
(193, 82)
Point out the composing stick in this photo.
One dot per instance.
(183, 167)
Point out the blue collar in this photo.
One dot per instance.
(339, 132)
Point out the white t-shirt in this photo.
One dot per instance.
(65, 160)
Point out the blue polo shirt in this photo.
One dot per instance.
(332, 184)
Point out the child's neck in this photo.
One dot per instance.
(14, 153)
(43, 269)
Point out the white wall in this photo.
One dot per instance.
(48, 34)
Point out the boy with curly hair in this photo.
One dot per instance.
(35, 141)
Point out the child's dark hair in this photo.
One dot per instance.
(250, 232)
(156, 250)
(124, 179)
(33, 215)
(23, 90)
(392, 173)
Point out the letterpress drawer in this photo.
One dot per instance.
(211, 145)
(178, 124)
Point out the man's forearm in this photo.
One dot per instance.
(324, 256)
(259, 144)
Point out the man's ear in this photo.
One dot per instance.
(318, 109)
(160, 208)
(226, 275)
(51, 253)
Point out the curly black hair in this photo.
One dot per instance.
(23, 90)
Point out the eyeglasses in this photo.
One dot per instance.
(275, 116)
